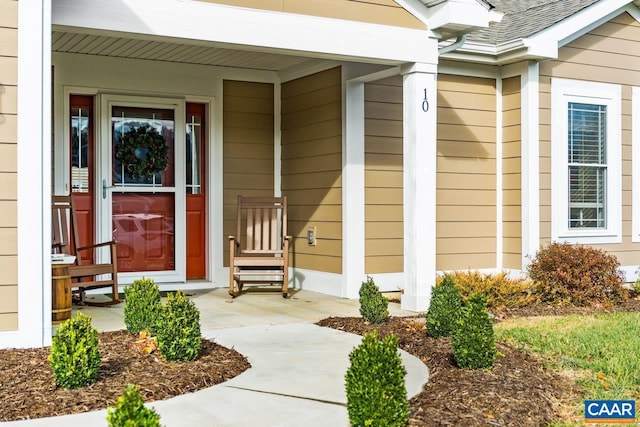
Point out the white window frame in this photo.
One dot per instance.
(635, 164)
(563, 92)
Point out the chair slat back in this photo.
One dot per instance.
(64, 234)
(261, 224)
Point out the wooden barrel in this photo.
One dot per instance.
(60, 293)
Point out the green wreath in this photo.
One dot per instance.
(143, 152)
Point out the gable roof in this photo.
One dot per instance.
(524, 18)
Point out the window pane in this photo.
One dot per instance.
(125, 121)
(587, 165)
(80, 150)
(194, 154)
(587, 130)
(587, 197)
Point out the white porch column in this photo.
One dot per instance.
(353, 232)
(419, 181)
(34, 177)
(530, 163)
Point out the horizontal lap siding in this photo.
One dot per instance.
(466, 178)
(8, 165)
(386, 12)
(511, 169)
(383, 177)
(607, 54)
(312, 167)
(248, 134)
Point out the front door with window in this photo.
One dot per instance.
(143, 187)
(141, 180)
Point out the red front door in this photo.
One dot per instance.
(143, 188)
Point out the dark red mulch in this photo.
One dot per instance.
(518, 391)
(28, 389)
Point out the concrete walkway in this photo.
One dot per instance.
(297, 373)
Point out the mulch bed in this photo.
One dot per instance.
(28, 389)
(518, 391)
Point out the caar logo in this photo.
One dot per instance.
(610, 411)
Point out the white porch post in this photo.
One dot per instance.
(530, 163)
(353, 233)
(419, 181)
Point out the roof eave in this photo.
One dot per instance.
(513, 51)
(450, 18)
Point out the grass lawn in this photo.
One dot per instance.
(601, 351)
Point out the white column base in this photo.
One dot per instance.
(418, 303)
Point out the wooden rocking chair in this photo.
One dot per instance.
(83, 276)
(259, 252)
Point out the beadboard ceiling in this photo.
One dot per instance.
(170, 51)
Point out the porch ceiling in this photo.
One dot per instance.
(172, 51)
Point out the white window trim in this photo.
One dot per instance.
(635, 164)
(564, 91)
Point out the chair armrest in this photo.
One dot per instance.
(97, 245)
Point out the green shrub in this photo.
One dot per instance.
(131, 412)
(75, 356)
(142, 306)
(178, 330)
(444, 309)
(577, 275)
(502, 292)
(374, 307)
(376, 394)
(473, 341)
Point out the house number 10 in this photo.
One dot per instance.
(425, 103)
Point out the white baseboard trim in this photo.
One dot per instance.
(387, 282)
(630, 273)
(316, 281)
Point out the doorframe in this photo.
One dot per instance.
(103, 170)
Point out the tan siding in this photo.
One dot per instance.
(383, 176)
(8, 165)
(386, 12)
(248, 134)
(312, 167)
(466, 179)
(607, 54)
(8, 322)
(511, 169)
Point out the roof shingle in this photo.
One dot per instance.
(523, 18)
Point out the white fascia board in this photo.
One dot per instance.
(249, 28)
(580, 23)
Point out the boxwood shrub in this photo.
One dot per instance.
(75, 355)
(142, 306)
(178, 329)
(444, 309)
(374, 307)
(375, 384)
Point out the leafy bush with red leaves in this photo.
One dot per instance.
(577, 275)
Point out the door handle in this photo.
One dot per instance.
(104, 188)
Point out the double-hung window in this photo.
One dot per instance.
(586, 173)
